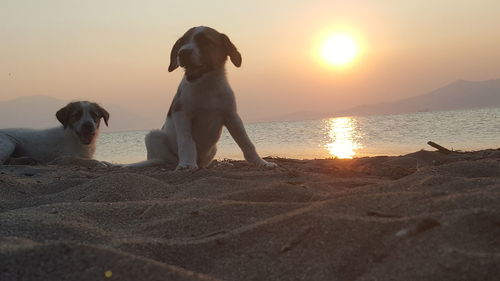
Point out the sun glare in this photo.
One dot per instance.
(339, 49)
(344, 138)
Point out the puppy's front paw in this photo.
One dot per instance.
(107, 164)
(186, 167)
(266, 164)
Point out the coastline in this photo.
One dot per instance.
(425, 215)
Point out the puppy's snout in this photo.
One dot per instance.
(88, 127)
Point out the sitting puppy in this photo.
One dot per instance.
(203, 104)
(76, 138)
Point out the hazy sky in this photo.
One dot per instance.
(118, 51)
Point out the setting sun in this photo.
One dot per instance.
(339, 49)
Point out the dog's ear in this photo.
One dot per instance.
(63, 115)
(102, 113)
(173, 55)
(231, 50)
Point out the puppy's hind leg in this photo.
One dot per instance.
(7, 147)
(158, 151)
(157, 146)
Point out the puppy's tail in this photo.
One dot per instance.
(146, 163)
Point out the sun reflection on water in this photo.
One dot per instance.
(343, 138)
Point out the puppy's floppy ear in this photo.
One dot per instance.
(173, 55)
(231, 50)
(63, 115)
(102, 113)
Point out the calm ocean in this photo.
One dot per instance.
(343, 137)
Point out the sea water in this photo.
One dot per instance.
(340, 137)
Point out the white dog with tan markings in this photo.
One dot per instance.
(75, 138)
(203, 104)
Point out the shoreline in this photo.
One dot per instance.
(425, 215)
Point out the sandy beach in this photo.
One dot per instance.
(421, 216)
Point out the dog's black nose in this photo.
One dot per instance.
(185, 54)
(88, 127)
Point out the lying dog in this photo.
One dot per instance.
(76, 138)
(203, 104)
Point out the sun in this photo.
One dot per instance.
(339, 49)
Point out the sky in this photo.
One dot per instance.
(117, 52)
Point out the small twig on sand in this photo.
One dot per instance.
(381, 215)
(439, 148)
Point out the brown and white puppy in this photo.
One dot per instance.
(203, 104)
(75, 138)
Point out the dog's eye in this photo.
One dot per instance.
(94, 115)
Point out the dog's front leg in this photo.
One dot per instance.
(235, 127)
(185, 143)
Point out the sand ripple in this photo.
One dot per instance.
(422, 216)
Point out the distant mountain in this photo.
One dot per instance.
(40, 112)
(457, 95)
(295, 116)
(30, 112)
